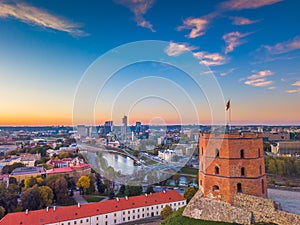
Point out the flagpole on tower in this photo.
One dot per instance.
(228, 108)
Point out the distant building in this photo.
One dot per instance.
(22, 173)
(276, 136)
(59, 163)
(124, 128)
(108, 127)
(82, 130)
(74, 169)
(166, 155)
(286, 148)
(29, 159)
(117, 211)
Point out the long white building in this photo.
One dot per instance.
(110, 212)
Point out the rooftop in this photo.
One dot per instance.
(74, 212)
(27, 170)
(59, 170)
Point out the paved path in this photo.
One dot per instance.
(78, 198)
(289, 200)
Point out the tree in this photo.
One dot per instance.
(122, 189)
(189, 193)
(46, 196)
(2, 212)
(176, 178)
(13, 180)
(133, 190)
(111, 194)
(59, 186)
(63, 155)
(83, 182)
(29, 182)
(135, 153)
(271, 166)
(31, 198)
(70, 181)
(166, 212)
(150, 189)
(100, 186)
(9, 168)
(9, 197)
(92, 178)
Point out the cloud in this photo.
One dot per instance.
(210, 59)
(272, 88)
(197, 25)
(246, 4)
(175, 49)
(232, 40)
(227, 72)
(35, 16)
(293, 91)
(242, 21)
(297, 83)
(260, 74)
(258, 82)
(259, 79)
(139, 8)
(284, 47)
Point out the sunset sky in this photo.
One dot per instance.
(252, 48)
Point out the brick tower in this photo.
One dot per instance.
(231, 163)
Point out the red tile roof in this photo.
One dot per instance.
(59, 170)
(81, 165)
(66, 213)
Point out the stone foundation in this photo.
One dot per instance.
(215, 210)
(246, 209)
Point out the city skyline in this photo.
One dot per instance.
(251, 47)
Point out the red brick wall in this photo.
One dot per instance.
(230, 164)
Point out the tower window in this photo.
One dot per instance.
(239, 187)
(260, 170)
(217, 170)
(262, 186)
(217, 153)
(215, 188)
(201, 150)
(242, 154)
(258, 152)
(242, 171)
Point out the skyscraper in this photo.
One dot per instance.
(124, 128)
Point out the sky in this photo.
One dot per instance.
(251, 48)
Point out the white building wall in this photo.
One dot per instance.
(123, 216)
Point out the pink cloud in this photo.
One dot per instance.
(197, 25)
(232, 40)
(297, 83)
(175, 49)
(210, 59)
(35, 16)
(292, 91)
(284, 47)
(246, 4)
(139, 8)
(242, 21)
(259, 79)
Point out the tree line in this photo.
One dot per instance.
(282, 166)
